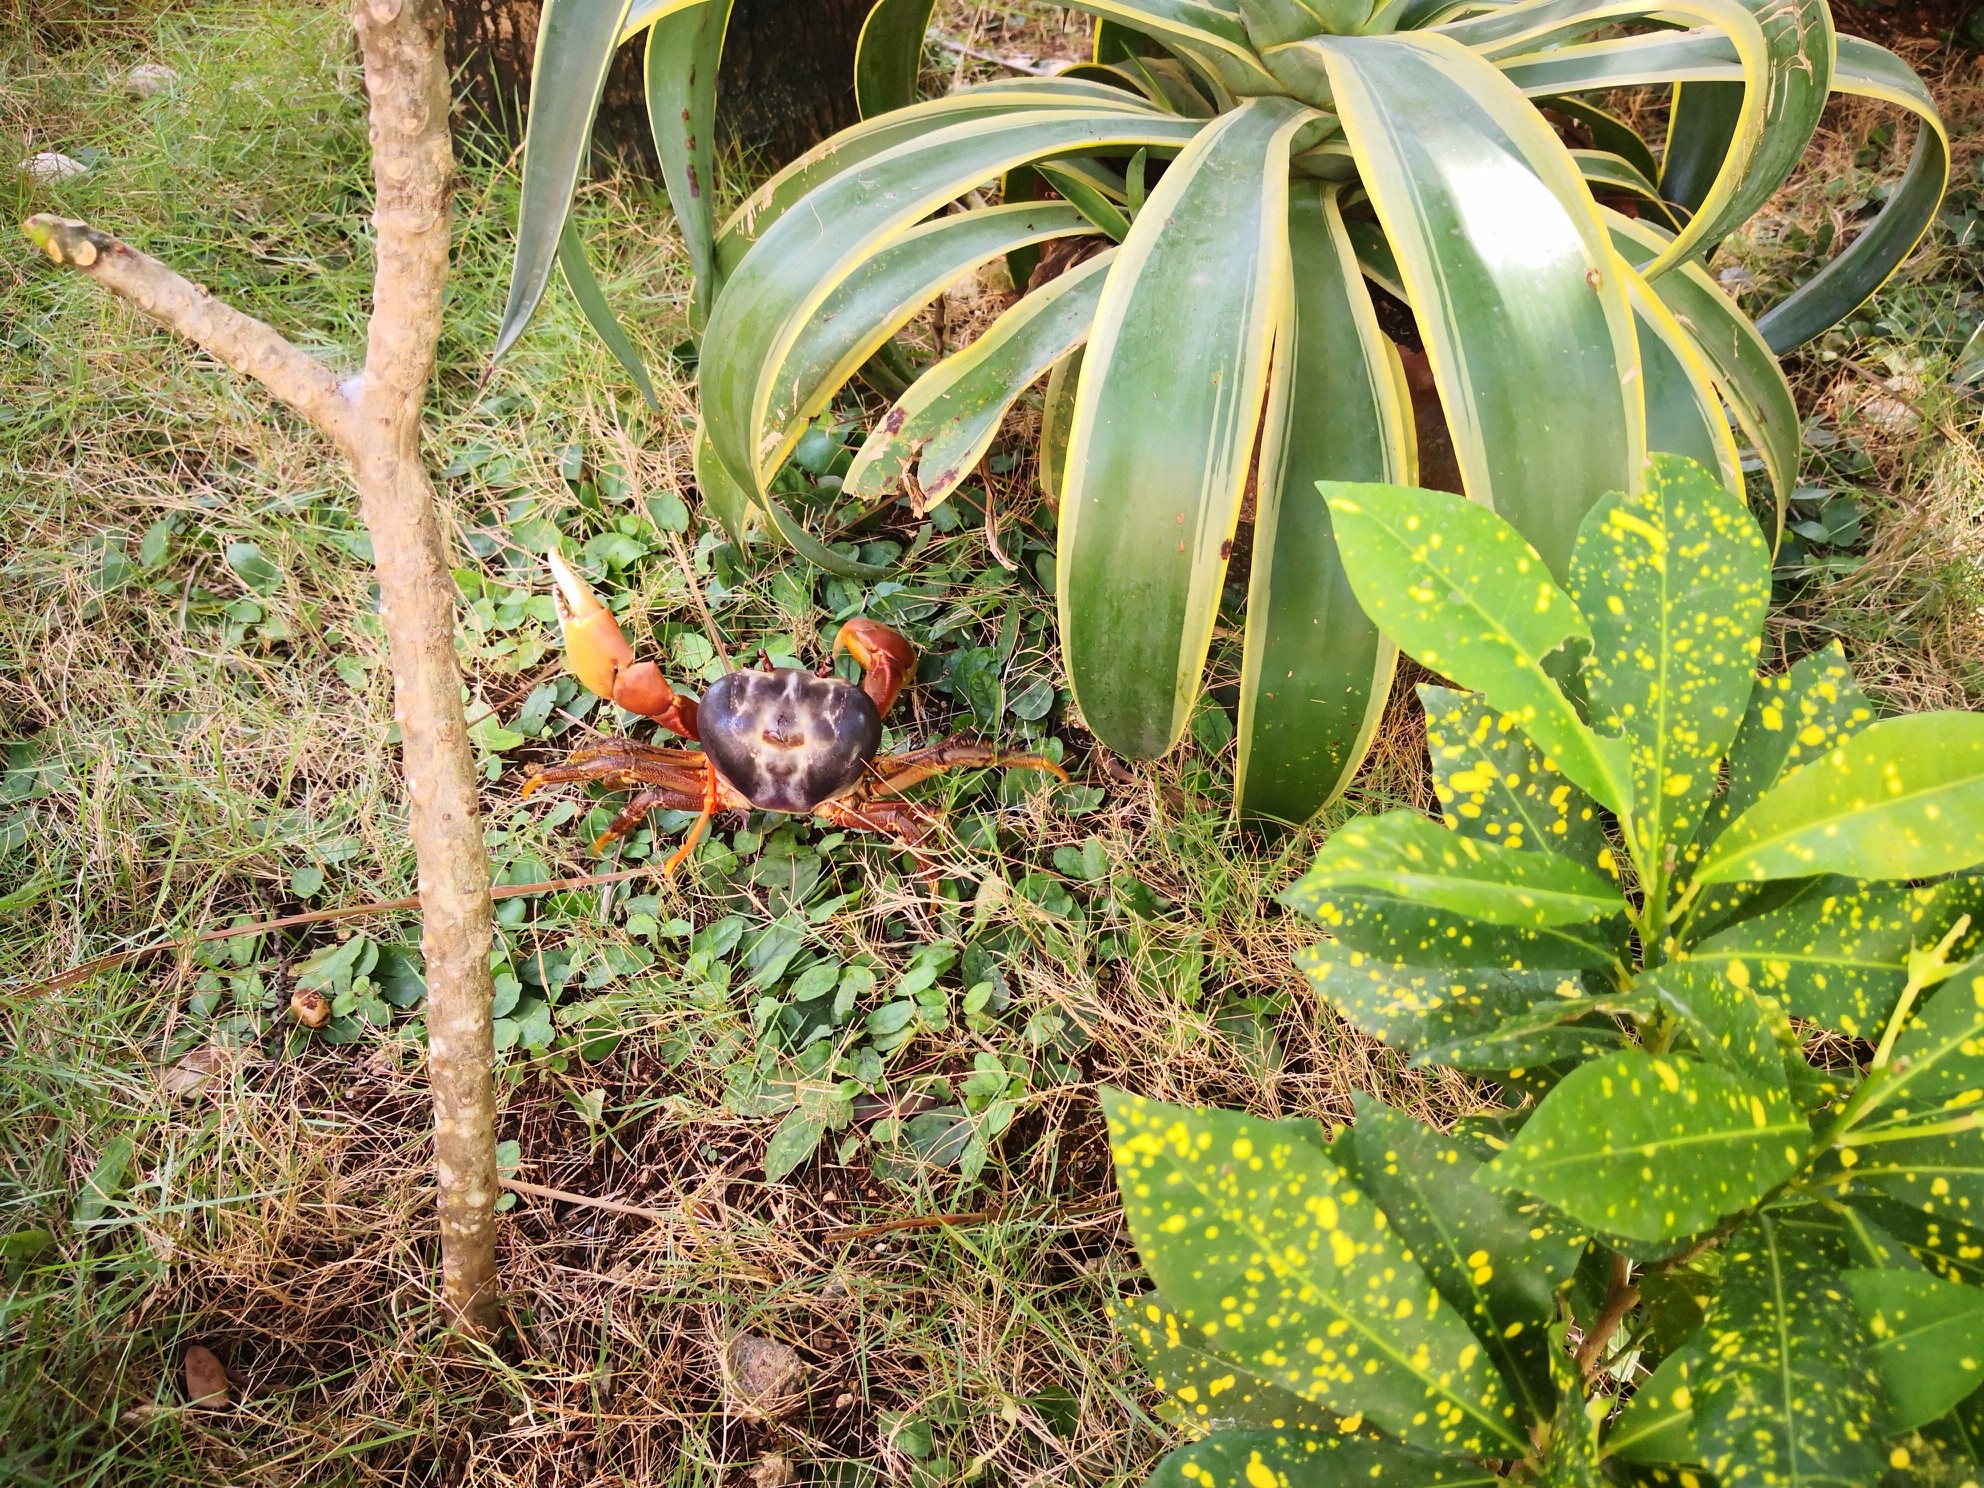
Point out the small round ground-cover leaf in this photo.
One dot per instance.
(1403, 854)
(1928, 1340)
(1270, 1254)
(1285, 1459)
(1902, 799)
(1789, 1394)
(1653, 1147)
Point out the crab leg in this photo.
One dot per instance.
(895, 773)
(597, 652)
(696, 830)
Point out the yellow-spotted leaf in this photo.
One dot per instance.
(1653, 1147)
(1928, 1337)
(1412, 1006)
(1497, 1259)
(1404, 855)
(1389, 928)
(1674, 579)
(1288, 1459)
(1491, 783)
(1658, 1423)
(1204, 1391)
(1944, 1247)
(1837, 951)
(1788, 1394)
(1936, 1173)
(1792, 719)
(1461, 591)
(1904, 798)
(1551, 1031)
(1272, 1256)
(1722, 1018)
(1935, 1074)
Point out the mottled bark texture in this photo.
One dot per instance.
(787, 80)
(374, 419)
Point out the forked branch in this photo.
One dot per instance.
(374, 419)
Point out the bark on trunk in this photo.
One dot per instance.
(787, 80)
(374, 419)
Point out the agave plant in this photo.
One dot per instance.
(576, 42)
(1259, 166)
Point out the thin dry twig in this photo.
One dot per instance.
(566, 1196)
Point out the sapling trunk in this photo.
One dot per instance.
(374, 418)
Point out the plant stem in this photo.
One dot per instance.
(374, 420)
(1620, 1298)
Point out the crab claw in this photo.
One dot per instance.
(885, 657)
(599, 656)
(595, 649)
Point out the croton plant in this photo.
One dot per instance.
(1709, 940)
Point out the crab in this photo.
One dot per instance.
(773, 739)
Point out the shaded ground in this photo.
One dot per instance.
(194, 704)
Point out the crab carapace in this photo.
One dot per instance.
(773, 739)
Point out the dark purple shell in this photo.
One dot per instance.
(788, 739)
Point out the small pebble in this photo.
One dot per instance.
(149, 79)
(51, 166)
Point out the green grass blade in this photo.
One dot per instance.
(1172, 385)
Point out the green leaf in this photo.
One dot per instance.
(1653, 1147)
(599, 315)
(1903, 799)
(106, 1181)
(889, 55)
(1404, 855)
(1657, 1424)
(1498, 1260)
(1940, 1175)
(1409, 1007)
(1486, 211)
(1207, 1391)
(1788, 1395)
(1674, 580)
(1492, 784)
(1315, 673)
(1393, 929)
(1285, 1459)
(1938, 1058)
(1165, 420)
(951, 414)
(253, 567)
(1684, 399)
(1928, 1338)
(1461, 591)
(1550, 1031)
(1945, 1247)
(1256, 1239)
(685, 48)
(576, 40)
(795, 1140)
(1836, 952)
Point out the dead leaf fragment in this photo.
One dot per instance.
(312, 1008)
(206, 1378)
(762, 1379)
(194, 1070)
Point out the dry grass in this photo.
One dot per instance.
(175, 764)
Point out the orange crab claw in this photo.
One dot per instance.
(595, 649)
(599, 656)
(885, 657)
